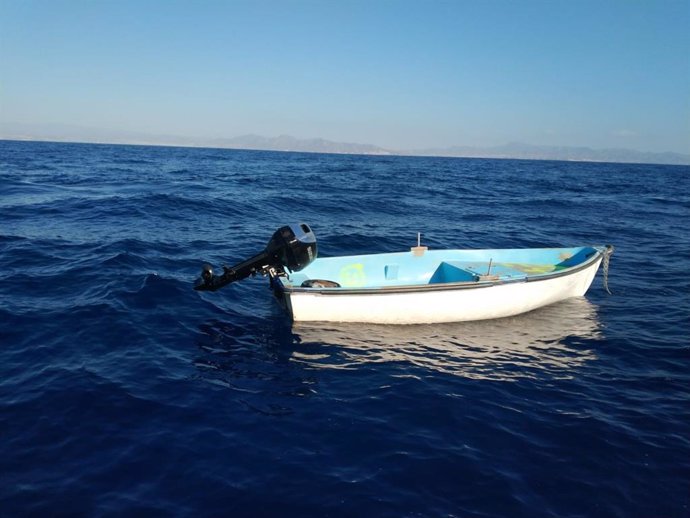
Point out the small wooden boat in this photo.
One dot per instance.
(415, 287)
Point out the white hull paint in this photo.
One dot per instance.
(478, 302)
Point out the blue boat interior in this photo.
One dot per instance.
(437, 267)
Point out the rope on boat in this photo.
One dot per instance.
(608, 251)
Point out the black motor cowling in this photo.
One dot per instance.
(292, 247)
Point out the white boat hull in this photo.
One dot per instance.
(448, 304)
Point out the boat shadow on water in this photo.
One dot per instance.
(262, 356)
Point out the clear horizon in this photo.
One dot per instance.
(399, 75)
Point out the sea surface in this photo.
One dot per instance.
(123, 392)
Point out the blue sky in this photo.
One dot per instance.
(397, 74)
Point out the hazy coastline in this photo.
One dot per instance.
(513, 150)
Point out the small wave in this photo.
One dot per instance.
(119, 383)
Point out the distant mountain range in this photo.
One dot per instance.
(582, 154)
(68, 133)
(288, 143)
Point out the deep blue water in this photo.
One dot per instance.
(124, 392)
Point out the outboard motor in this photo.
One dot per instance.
(292, 247)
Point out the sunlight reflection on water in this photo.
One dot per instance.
(552, 341)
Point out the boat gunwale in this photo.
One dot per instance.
(466, 285)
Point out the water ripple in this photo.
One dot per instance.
(119, 384)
